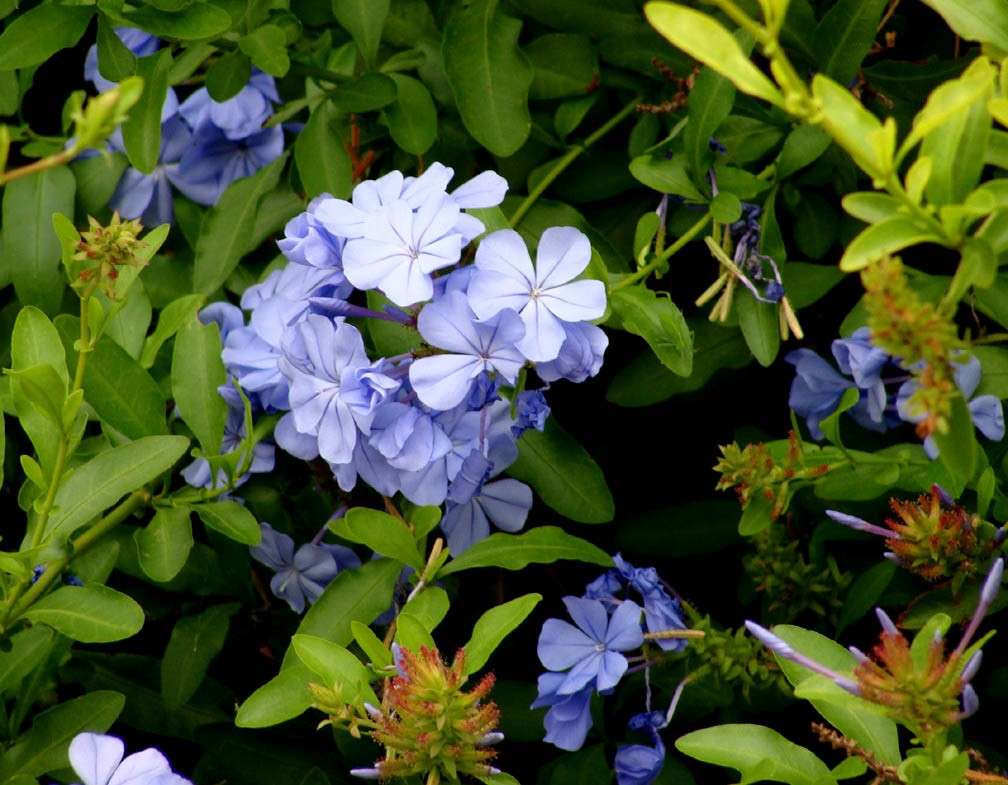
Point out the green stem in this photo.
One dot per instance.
(568, 158)
(135, 501)
(40, 165)
(655, 263)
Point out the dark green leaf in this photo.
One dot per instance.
(489, 75)
(759, 324)
(266, 46)
(232, 520)
(710, 102)
(90, 614)
(844, 35)
(380, 532)
(564, 64)
(364, 20)
(228, 75)
(412, 117)
(115, 60)
(37, 34)
(563, 474)
(163, 546)
(194, 642)
(199, 20)
(322, 160)
(658, 321)
(667, 175)
(197, 371)
(542, 545)
(494, 626)
(364, 94)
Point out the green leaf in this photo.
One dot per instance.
(37, 34)
(412, 117)
(710, 102)
(195, 21)
(228, 227)
(364, 20)
(335, 665)
(666, 175)
(830, 424)
(854, 128)
(494, 626)
(957, 447)
(844, 35)
(564, 65)
(28, 648)
(115, 60)
(44, 748)
(106, 478)
(658, 321)
(802, 147)
(428, 607)
(380, 532)
(881, 239)
(228, 75)
(142, 130)
(194, 642)
(756, 516)
(89, 614)
(197, 371)
(360, 595)
(282, 698)
(97, 178)
(865, 592)
(974, 20)
(760, 328)
(542, 545)
(232, 520)
(122, 393)
(322, 162)
(760, 754)
(170, 321)
(706, 40)
(489, 75)
(410, 633)
(266, 46)
(563, 474)
(376, 651)
(36, 341)
(163, 546)
(28, 204)
(364, 94)
(872, 732)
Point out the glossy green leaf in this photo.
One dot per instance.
(541, 545)
(667, 175)
(759, 323)
(844, 35)
(115, 60)
(563, 474)
(163, 545)
(658, 321)
(564, 64)
(322, 161)
(489, 75)
(974, 20)
(228, 75)
(379, 531)
(38, 33)
(89, 614)
(412, 117)
(142, 130)
(101, 482)
(195, 641)
(881, 239)
(177, 313)
(364, 20)
(196, 374)
(266, 47)
(232, 520)
(494, 626)
(195, 21)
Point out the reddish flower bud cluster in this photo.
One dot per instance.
(430, 725)
(102, 250)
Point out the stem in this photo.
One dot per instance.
(655, 263)
(568, 158)
(40, 165)
(135, 501)
(665, 635)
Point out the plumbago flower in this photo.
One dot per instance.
(98, 760)
(589, 656)
(440, 423)
(205, 145)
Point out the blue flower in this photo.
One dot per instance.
(532, 411)
(301, 576)
(213, 161)
(569, 717)
(985, 410)
(399, 249)
(334, 387)
(639, 764)
(240, 116)
(408, 438)
(544, 296)
(816, 390)
(98, 760)
(580, 354)
(662, 612)
(858, 357)
(307, 241)
(148, 196)
(444, 380)
(503, 503)
(226, 316)
(591, 650)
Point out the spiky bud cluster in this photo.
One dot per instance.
(939, 541)
(754, 472)
(429, 725)
(103, 250)
(733, 658)
(920, 334)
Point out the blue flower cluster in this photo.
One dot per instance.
(437, 423)
(588, 656)
(205, 145)
(301, 575)
(885, 387)
(98, 760)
